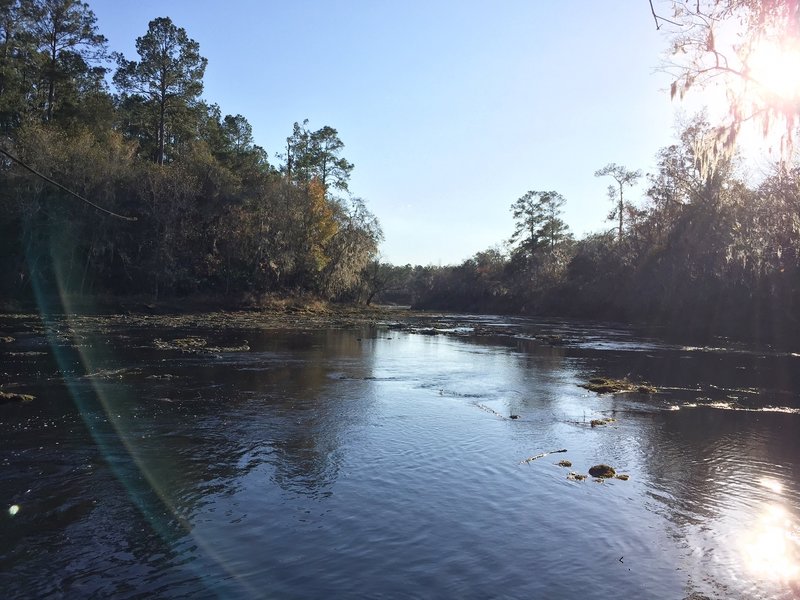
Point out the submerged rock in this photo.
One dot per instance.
(564, 463)
(601, 422)
(576, 476)
(623, 477)
(602, 471)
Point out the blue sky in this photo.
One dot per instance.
(450, 110)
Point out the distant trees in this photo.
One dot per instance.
(167, 80)
(538, 222)
(707, 253)
(623, 177)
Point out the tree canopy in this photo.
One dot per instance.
(167, 79)
(208, 214)
(751, 47)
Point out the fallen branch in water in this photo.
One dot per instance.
(542, 455)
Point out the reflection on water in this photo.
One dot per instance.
(771, 546)
(378, 463)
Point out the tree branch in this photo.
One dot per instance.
(656, 18)
(69, 191)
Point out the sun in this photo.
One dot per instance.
(773, 69)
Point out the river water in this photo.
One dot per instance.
(381, 463)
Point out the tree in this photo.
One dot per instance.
(623, 177)
(538, 221)
(168, 76)
(66, 31)
(16, 53)
(350, 249)
(238, 133)
(751, 47)
(311, 154)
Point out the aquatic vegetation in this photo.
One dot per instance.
(607, 385)
(197, 345)
(601, 422)
(602, 471)
(6, 397)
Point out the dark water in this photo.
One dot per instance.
(382, 464)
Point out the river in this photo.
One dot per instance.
(199, 460)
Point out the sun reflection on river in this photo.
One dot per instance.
(772, 547)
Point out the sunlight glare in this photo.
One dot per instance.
(776, 70)
(771, 484)
(772, 547)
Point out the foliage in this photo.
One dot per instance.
(65, 31)
(212, 216)
(708, 253)
(315, 154)
(623, 177)
(751, 48)
(538, 222)
(167, 80)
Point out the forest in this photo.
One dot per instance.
(175, 199)
(167, 198)
(705, 253)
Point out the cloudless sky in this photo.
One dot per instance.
(450, 109)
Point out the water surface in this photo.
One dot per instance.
(381, 463)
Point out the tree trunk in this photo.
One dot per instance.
(161, 113)
(51, 84)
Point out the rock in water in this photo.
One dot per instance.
(603, 471)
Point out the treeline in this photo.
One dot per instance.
(705, 253)
(177, 198)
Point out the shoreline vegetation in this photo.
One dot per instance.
(143, 196)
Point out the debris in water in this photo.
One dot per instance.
(542, 455)
(6, 397)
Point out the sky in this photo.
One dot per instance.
(450, 110)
